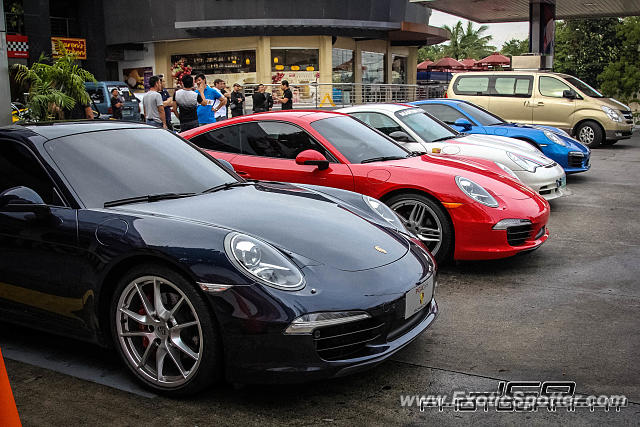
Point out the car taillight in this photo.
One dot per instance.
(110, 110)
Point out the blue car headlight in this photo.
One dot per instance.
(262, 262)
(385, 212)
(555, 138)
(476, 192)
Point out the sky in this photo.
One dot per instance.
(500, 32)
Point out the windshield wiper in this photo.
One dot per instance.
(416, 153)
(148, 198)
(226, 186)
(444, 138)
(382, 159)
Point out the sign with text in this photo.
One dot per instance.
(76, 47)
(17, 46)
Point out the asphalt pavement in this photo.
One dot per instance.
(569, 311)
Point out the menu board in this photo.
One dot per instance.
(242, 61)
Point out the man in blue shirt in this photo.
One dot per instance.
(206, 110)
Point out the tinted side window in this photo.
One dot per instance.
(519, 86)
(18, 167)
(553, 87)
(379, 121)
(226, 139)
(276, 139)
(472, 85)
(96, 94)
(443, 112)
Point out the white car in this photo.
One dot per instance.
(419, 131)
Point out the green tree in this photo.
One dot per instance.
(584, 47)
(515, 47)
(464, 43)
(621, 78)
(54, 88)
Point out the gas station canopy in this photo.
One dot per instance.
(486, 11)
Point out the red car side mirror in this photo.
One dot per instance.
(312, 157)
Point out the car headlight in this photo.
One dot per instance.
(524, 162)
(507, 170)
(613, 114)
(305, 324)
(555, 138)
(385, 212)
(262, 262)
(476, 192)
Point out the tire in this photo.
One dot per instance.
(189, 356)
(590, 134)
(433, 220)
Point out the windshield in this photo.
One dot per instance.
(117, 164)
(425, 126)
(124, 91)
(356, 141)
(481, 116)
(584, 88)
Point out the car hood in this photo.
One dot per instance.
(478, 170)
(506, 144)
(292, 218)
(612, 103)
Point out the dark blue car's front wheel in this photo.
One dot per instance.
(164, 331)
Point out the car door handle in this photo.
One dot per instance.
(540, 103)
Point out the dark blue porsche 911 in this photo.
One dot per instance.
(127, 235)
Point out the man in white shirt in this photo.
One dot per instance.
(219, 85)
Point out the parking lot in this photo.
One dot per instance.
(569, 311)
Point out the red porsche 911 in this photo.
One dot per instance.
(468, 209)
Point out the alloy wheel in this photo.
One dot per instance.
(586, 135)
(422, 221)
(159, 331)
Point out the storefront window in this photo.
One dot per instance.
(399, 69)
(372, 67)
(242, 61)
(294, 60)
(342, 66)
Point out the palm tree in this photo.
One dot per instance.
(54, 88)
(469, 42)
(515, 47)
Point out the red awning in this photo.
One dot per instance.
(468, 63)
(494, 59)
(424, 64)
(448, 63)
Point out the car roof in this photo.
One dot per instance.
(438, 101)
(388, 107)
(51, 130)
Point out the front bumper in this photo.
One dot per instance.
(548, 181)
(476, 239)
(619, 131)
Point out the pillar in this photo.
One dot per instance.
(37, 25)
(542, 15)
(357, 74)
(5, 90)
(412, 66)
(263, 60)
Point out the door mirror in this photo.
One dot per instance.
(22, 199)
(401, 136)
(312, 157)
(569, 93)
(463, 123)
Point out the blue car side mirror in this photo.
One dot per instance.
(463, 123)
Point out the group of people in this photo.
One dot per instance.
(197, 103)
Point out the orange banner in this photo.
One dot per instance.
(77, 47)
(8, 411)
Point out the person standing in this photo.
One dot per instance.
(185, 104)
(259, 99)
(167, 101)
(220, 86)
(116, 104)
(287, 96)
(237, 101)
(207, 108)
(152, 103)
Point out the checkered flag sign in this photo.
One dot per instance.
(17, 46)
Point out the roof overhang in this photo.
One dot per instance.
(399, 33)
(487, 11)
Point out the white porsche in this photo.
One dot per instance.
(419, 131)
